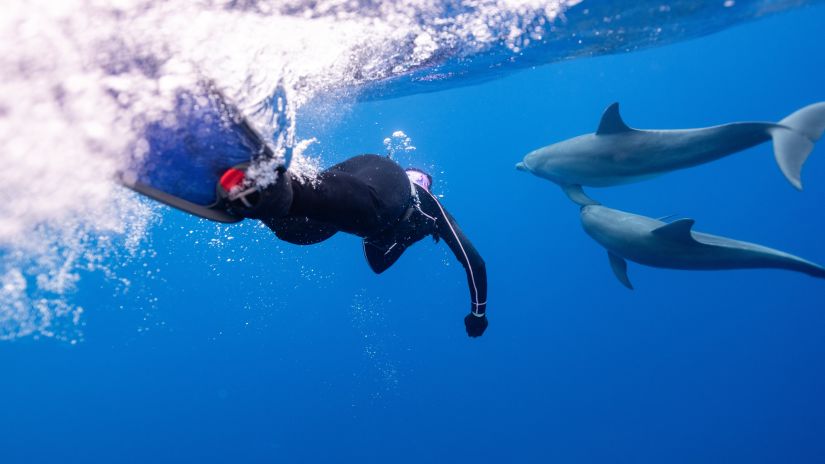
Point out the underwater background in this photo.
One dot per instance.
(188, 341)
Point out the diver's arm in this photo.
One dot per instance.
(467, 255)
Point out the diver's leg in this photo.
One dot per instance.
(363, 195)
(385, 179)
(385, 176)
(300, 230)
(244, 198)
(339, 199)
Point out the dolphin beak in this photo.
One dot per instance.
(521, 166)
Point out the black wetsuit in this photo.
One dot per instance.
(370, 196)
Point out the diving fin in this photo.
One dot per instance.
(619, 266)
(215, 212)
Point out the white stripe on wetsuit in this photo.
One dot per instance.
(466, 258)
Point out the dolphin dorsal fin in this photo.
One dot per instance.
(677, 230)
(619, 266)
(611, 122)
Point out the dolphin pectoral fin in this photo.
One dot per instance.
(577, 195)
(619, 266)
(677, 230)
(612, 122)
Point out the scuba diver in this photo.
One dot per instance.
(369, 196)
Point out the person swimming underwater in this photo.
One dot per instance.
(369, 196)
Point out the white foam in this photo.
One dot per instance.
(81, 78)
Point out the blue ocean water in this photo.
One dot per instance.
(231, 346)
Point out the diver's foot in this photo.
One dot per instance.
(242, 196)
(238, 192)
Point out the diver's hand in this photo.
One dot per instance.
(475, 325)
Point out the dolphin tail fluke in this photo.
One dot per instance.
(808, 121)
(794, 139)
(619, 266)
(577, 195)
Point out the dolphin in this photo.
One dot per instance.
(616, 154)
(674, 245)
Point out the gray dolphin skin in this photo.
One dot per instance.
(616, 154)
(674, 245)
